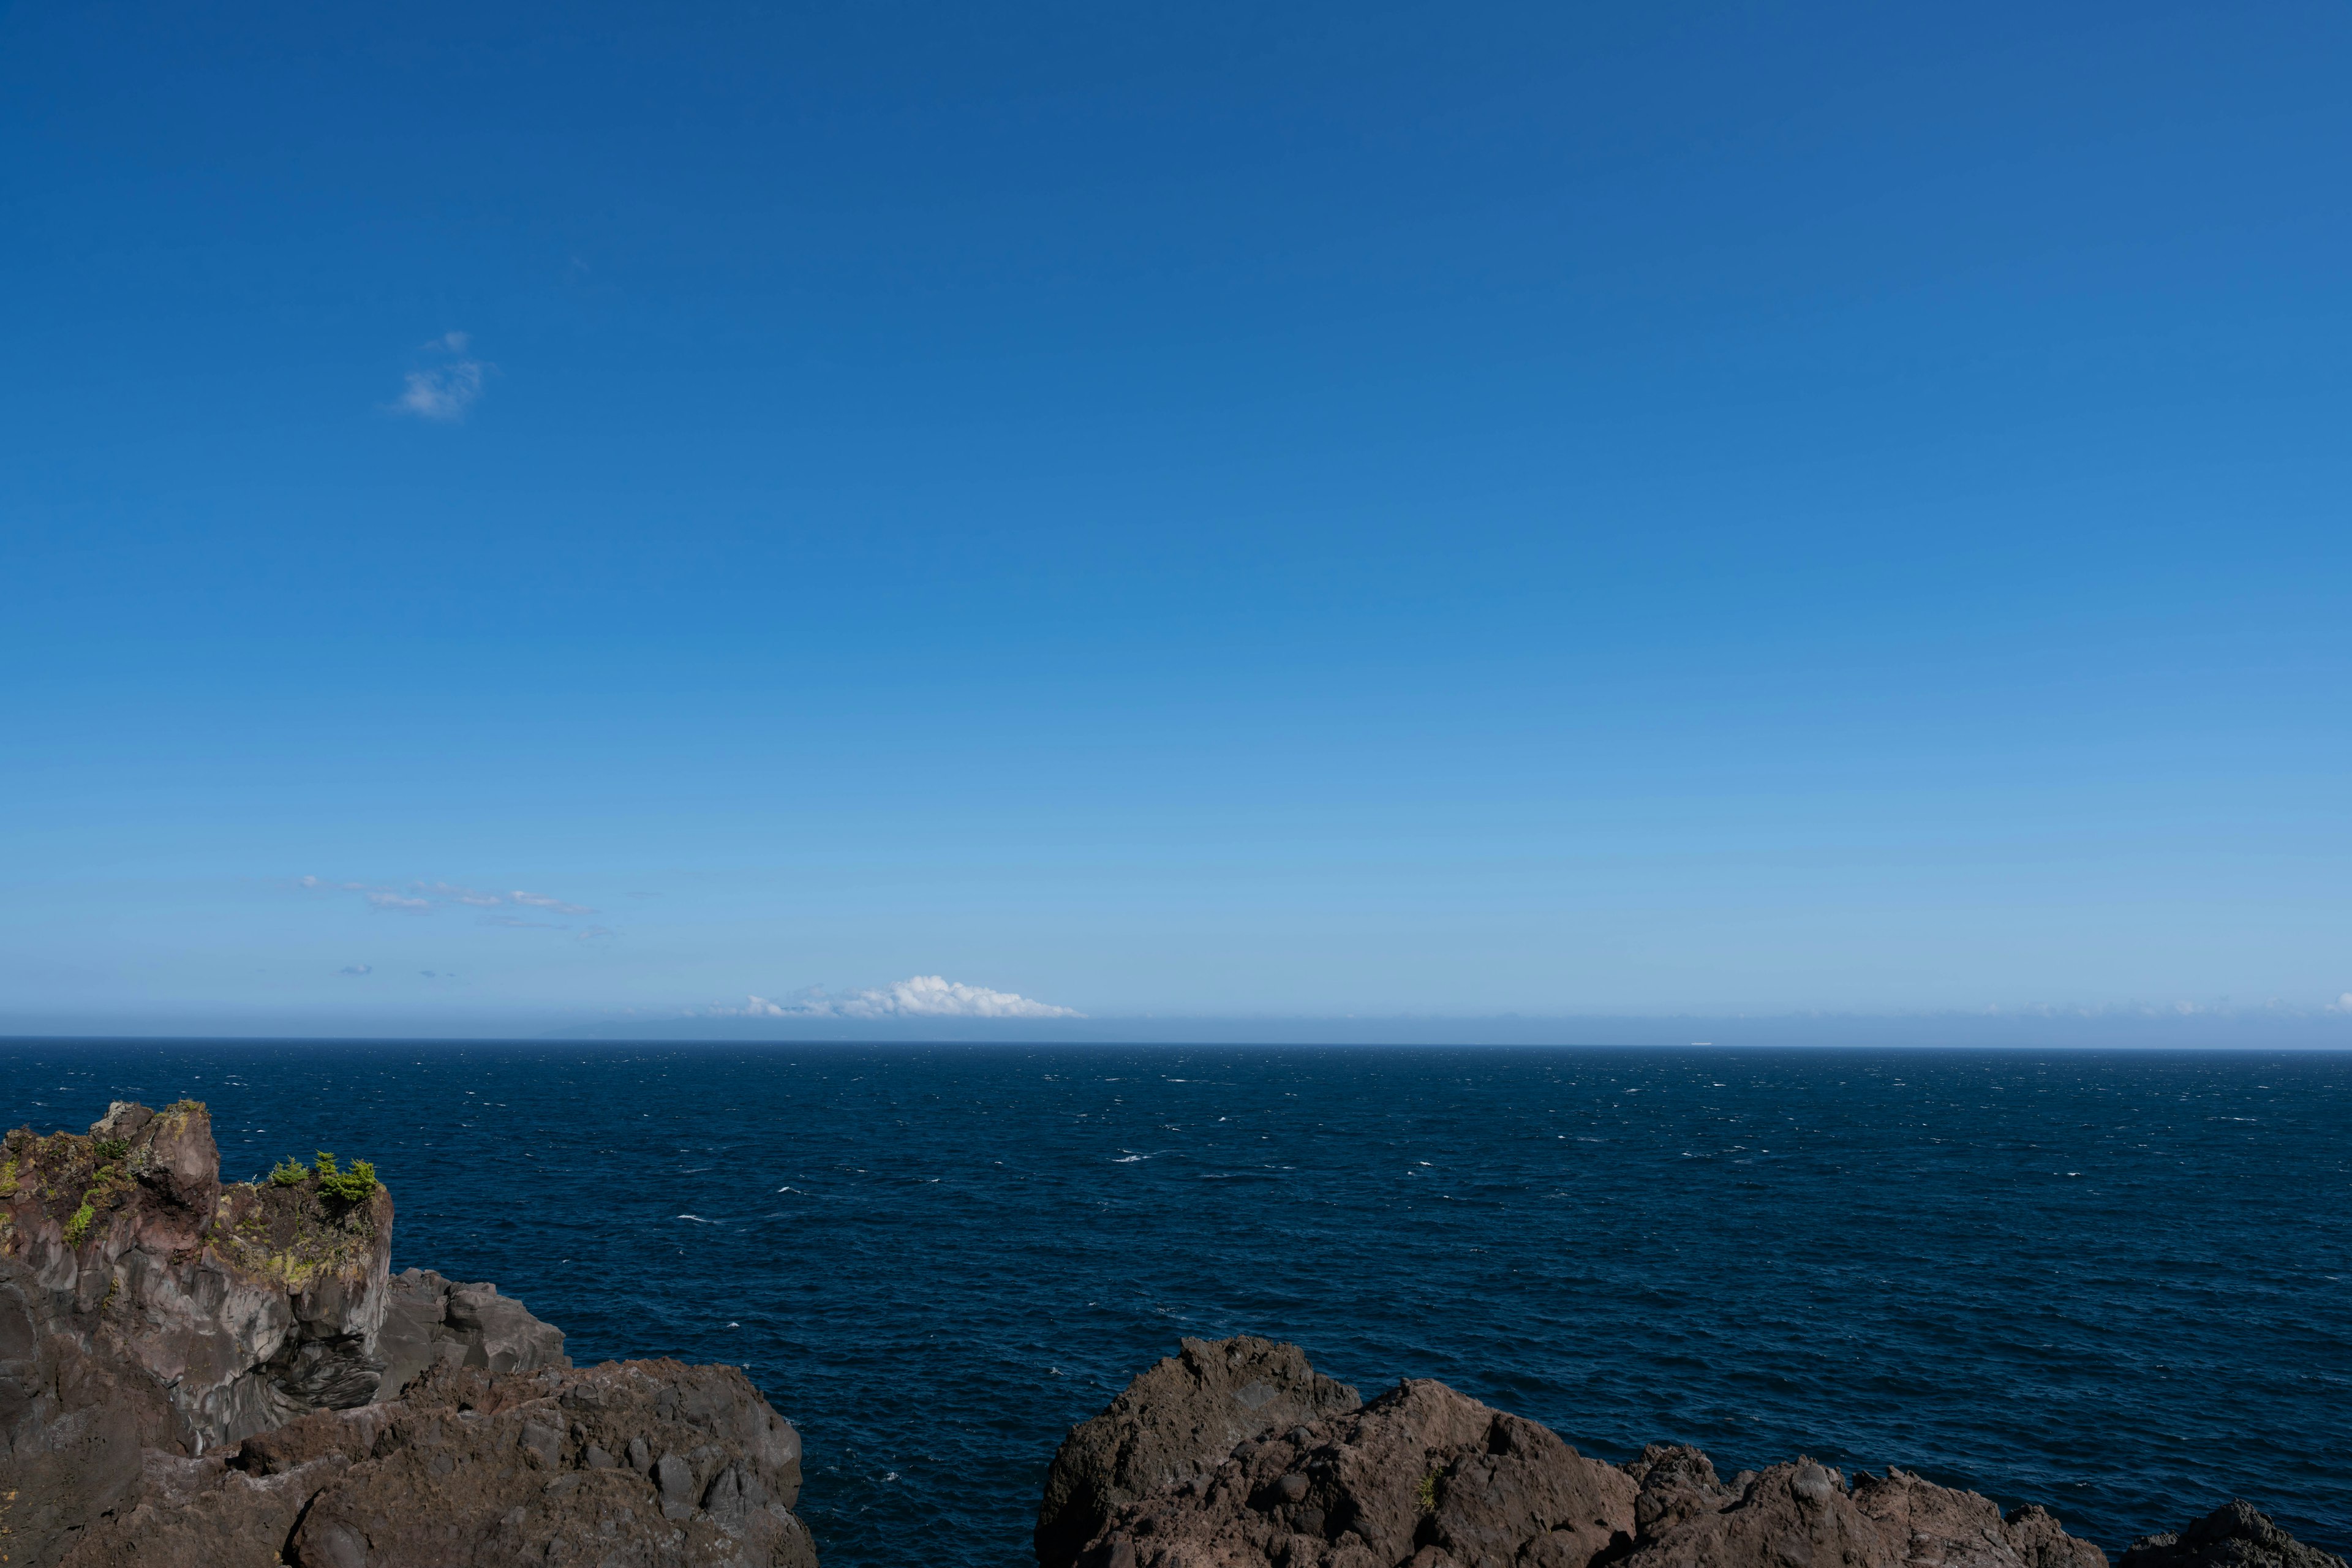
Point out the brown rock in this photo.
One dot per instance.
(1176, 1422)
(1935, 1527)
(2235, 1535)
(476, 1469)
(1422, 1475)
(241, 1306)
(186, 1373)
(428, 1321)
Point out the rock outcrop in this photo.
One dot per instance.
(2235, 1535)
(242, 1305)
(650, 1464)
(1420, 1475)
(1424, 1477)
(1175, 1423)
(429, 1322)
(195, 1374)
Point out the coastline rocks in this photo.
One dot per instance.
(1422, 1475)
(72, 1426)
(194, 1375)
(242, 1305)
(638, 1463)
(2235, 1535)
(1176, 1422)
(1425, 1477)
(1806, 1512)
(429, 1322)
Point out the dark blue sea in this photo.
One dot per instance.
(2119, 1284)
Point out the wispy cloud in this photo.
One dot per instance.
(456, 895)
(444, 390)
(542, 902)
(425, 898)
(357, 968)
(920, 997)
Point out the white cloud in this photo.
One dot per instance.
(2344, 1003)
(920, 997)
(443, 391)
(540, 901)
(357, 968)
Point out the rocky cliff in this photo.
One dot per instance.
(1238, 1454)
(207, 1376)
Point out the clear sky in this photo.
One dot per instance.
(1202, 508)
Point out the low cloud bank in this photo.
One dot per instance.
(918, 996)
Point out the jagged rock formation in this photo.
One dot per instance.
(242, 1305)
(2235, 1535)
(1176, 1422)
(430, 1322)
(1424, 1477)
(1421, 1475)
(198, 1374)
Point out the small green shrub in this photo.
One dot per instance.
(78, 1226)
(288, 1173)
(111, 1149)
(1425, 1494)
(354, 1185)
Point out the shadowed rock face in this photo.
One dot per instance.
(1424, 1477)
(2235, 1535)
(649, 1464)
(1176, 1422)
(186, 1373)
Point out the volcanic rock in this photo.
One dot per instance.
(1175, 1423)
(479, 1471)
(191, 1375)
(242, 1305)
(2235, 1535)
(1421, 1475)
(1425, 1477)
(429, 1322)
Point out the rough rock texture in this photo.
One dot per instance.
(1178, 1421)
(2235, 1535)
(188, 1373)
(1421, 1475)
(626, 1464)
(244, 1305)
(1424, 1477)
(430, 1322)
(71, 1424)
(1806, 1512)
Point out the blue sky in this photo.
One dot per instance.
(1182, 510)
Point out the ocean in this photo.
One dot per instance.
(2116, 1283)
